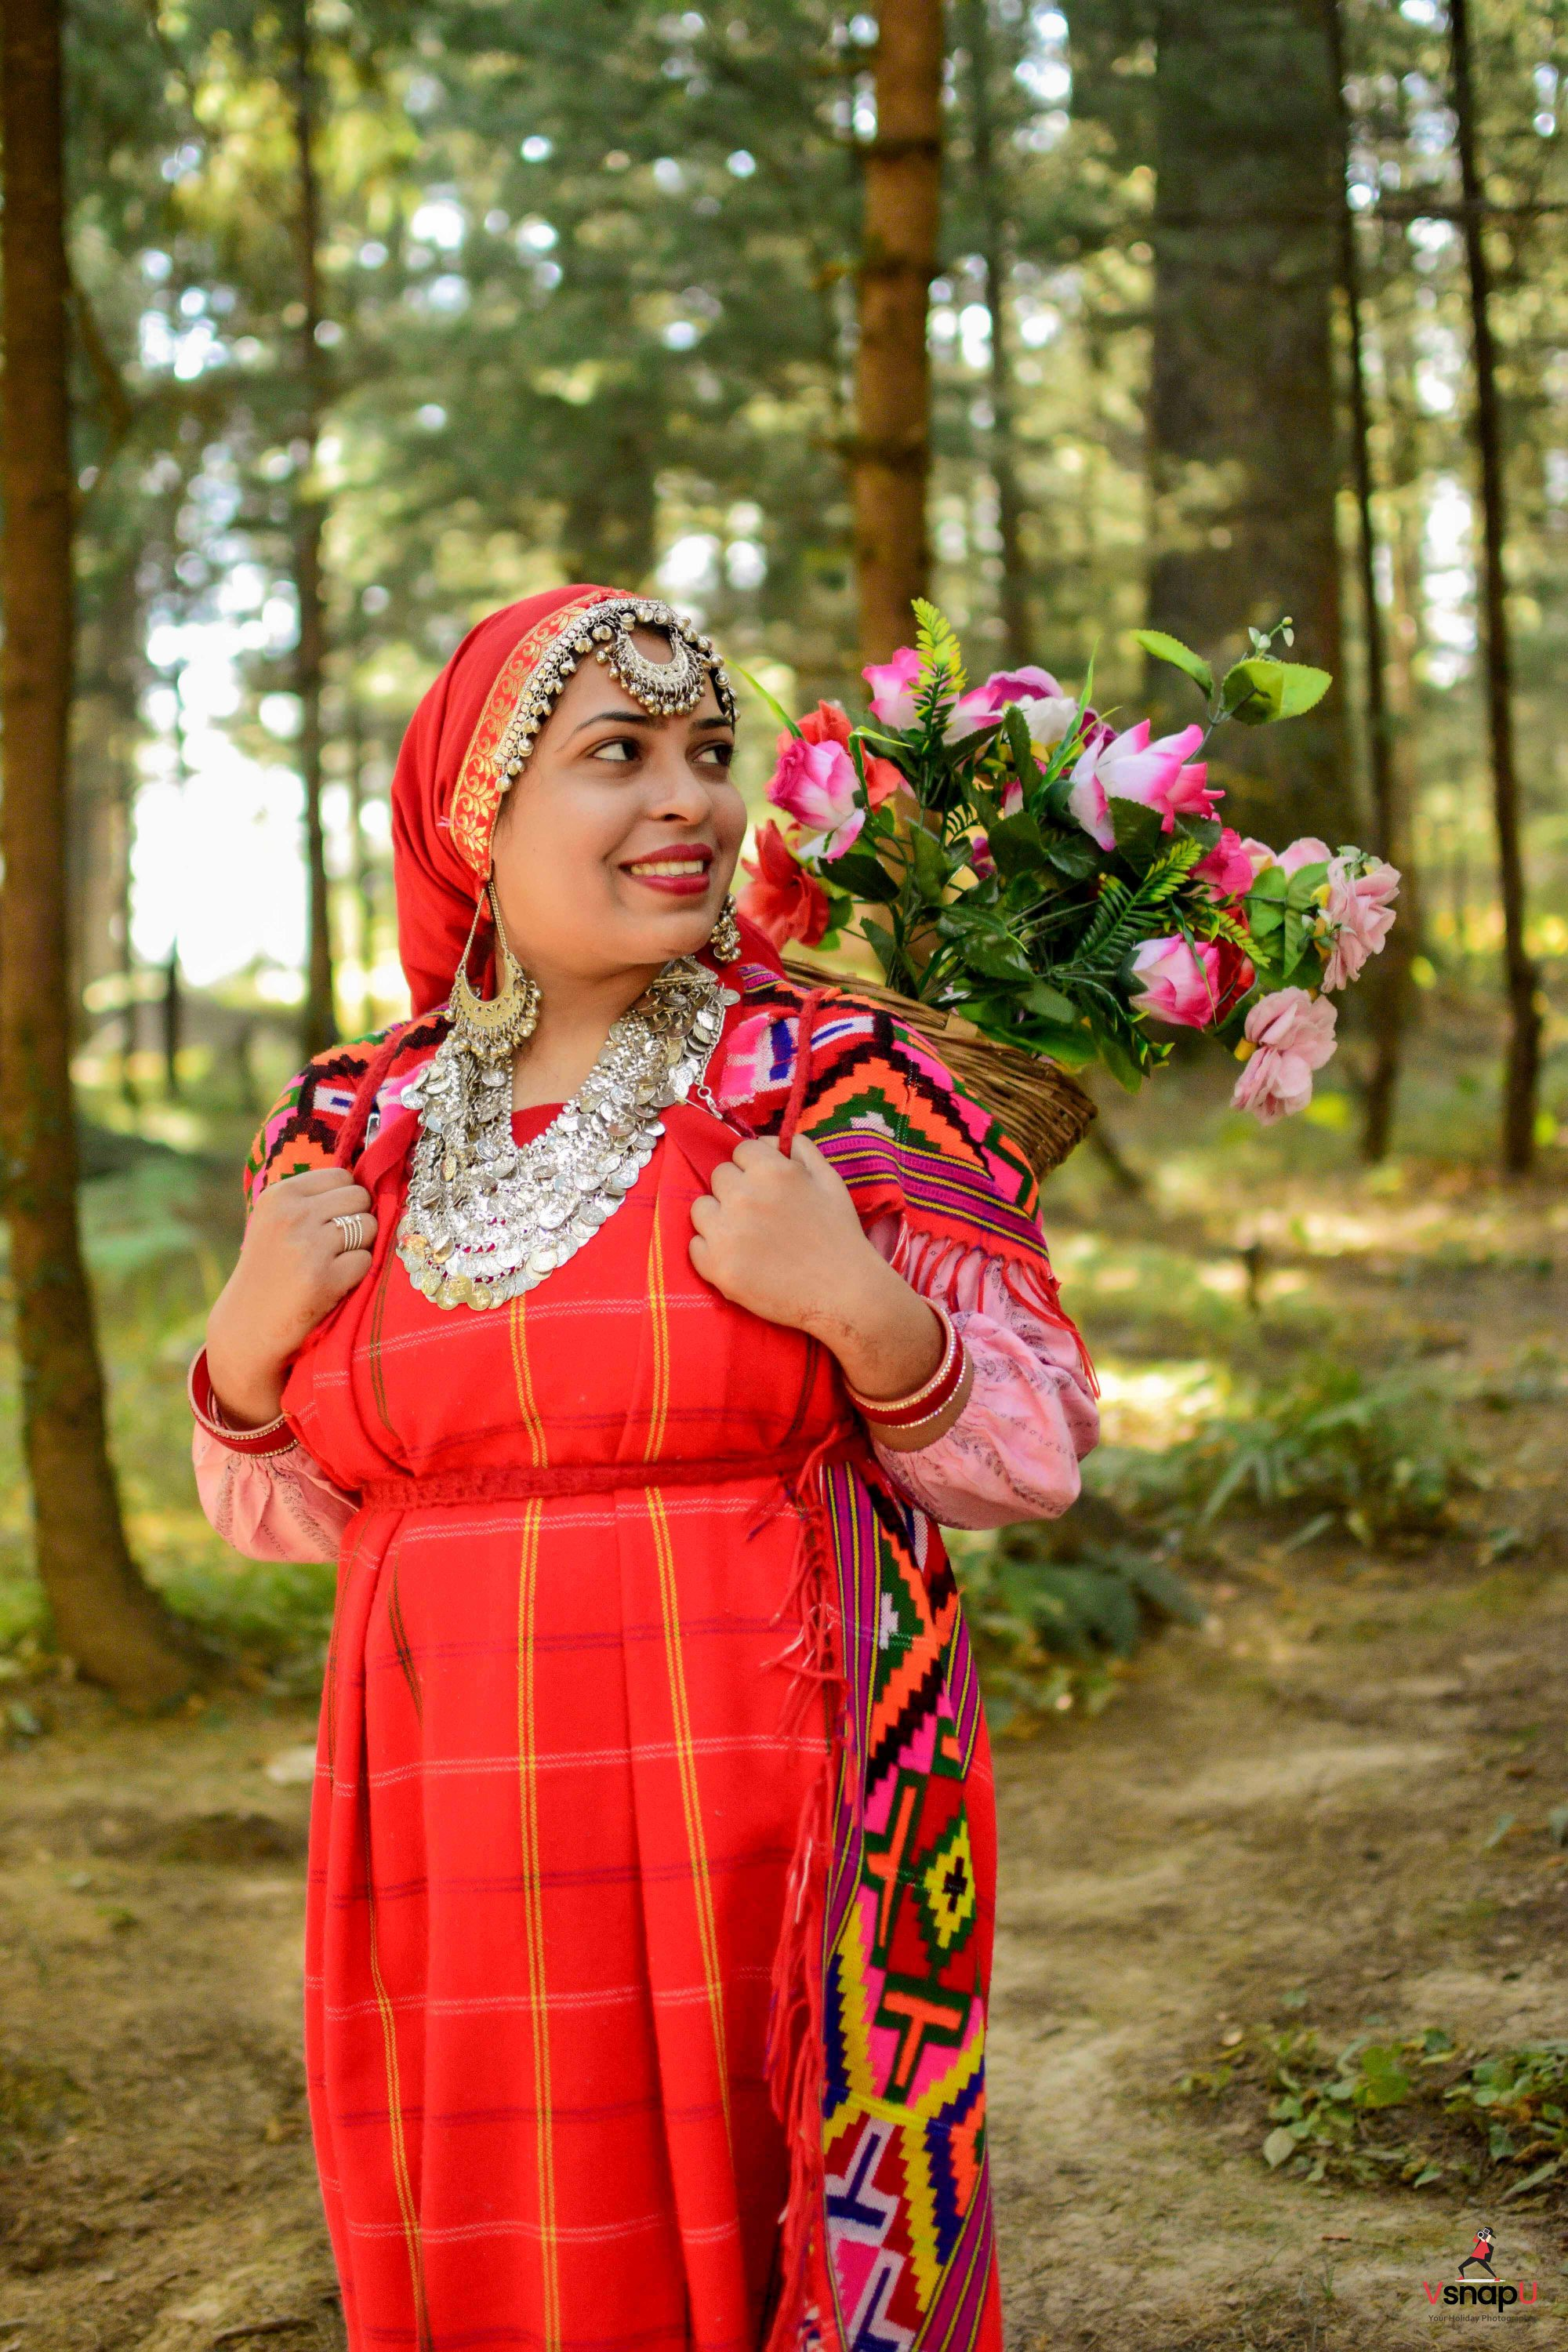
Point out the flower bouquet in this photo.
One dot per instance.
(1033, 878)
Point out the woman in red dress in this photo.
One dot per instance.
(625, 1321)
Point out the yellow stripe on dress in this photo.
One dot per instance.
(686, 1763)
(406, 2206)
(533, 1915)
(658, 1319)
(522, 1374)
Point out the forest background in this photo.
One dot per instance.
(329, 328)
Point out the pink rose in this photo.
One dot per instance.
(1182, 984)
(1227, 868)
(1308, 851)
(829, 723)
(892, 685)
(1258, 854)
(981, 861)
(815, 783)
(1292, 1035)
(1085, 800)
(1359, 916)
(1049, 713)
(1130, 768)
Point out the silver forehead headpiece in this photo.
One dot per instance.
(605, 634)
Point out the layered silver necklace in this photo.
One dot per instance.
(488, 1218)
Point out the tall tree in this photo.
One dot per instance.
(320, 1025)
(892, 461)
(1390, 977)
(104, 1616)
(991, 198)
(1522, 1079)
(1244, 454)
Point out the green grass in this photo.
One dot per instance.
(1410, 2113)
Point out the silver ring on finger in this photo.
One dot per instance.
(353, 1230)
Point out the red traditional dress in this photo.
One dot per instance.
(652, 1848)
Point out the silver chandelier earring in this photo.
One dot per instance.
(494, 1027)
(724, 939)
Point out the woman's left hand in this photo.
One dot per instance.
(780, 1236)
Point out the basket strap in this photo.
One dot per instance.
(811, 1005)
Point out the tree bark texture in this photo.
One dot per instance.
(1002, 441)
(892, 451)
(1244, 457)
(1388, 979)
(1522, 1077)
(320, 1028)
(104, 1616)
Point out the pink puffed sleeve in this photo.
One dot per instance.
(270, 1506)
(1030, 1417)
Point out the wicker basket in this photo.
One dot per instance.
(1041, 1106)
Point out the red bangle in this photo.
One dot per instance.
(275, 1437)
(931, 1399)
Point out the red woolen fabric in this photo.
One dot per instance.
(438, 886)
(564, 1760)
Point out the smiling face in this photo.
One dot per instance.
(615, 847)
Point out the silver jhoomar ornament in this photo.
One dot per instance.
(487, 1218)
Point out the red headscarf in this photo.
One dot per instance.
(447, 789)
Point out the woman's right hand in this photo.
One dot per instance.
(292, 1270)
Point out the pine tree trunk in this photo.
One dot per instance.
(891, 458)
(104, 1616)
(1521, 1082)
(1001, 441)
(320, 1028)
(1388, 979)
(1244, 459)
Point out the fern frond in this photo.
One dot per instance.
(1112, 899)
(938, 647)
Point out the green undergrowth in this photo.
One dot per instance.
(1329, 1446)
(1410, 2113)
(1054, 1615)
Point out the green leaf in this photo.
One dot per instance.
(1051, 1005)
(931, 867)
(1542, 2172)
(883, 945)
(1278, 2145)
(1261, 689)
(1139, 835)
(1020, 745)
(1016, 847)
(1304, 884)
(1120, 1063)
(997, 955)
(1304, 688)
(1074, 855)
(1180, 657)
(864, 877)
(773, 705)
